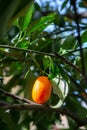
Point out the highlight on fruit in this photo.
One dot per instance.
(41, 90)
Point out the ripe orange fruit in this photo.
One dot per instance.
(41, 90)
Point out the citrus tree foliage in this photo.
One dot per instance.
(43, 38)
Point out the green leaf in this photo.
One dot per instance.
(21, 10)
(6, 118)
(23, 116)
(7, 9)
(29, 79)
(47, 61)
(41, 24)
(69, 43)
(15, 115)
(85, 59)
(51, 66)
(59, 20)
(78, 59)
(39, 43)
(13, 54)
(26, 18)
(78, 108)
(64, 4)
(23, 44)
(84, 36)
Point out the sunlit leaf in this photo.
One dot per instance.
(41, 24)
(26, 18)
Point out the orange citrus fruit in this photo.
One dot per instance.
(41, 90)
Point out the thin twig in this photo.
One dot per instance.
(16, 97)
(44, 53)
(79, 87)
(68, 62)
(73, 2)
(25, 50)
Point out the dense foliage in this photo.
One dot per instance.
(44, 37)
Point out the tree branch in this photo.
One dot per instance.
(44, 53)
(34, 106)
(65, 111)
(25, 50)
(16, 97)
(72, 15)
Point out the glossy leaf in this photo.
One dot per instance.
(41, 24)
(26, 18)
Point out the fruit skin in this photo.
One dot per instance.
(41, 90)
